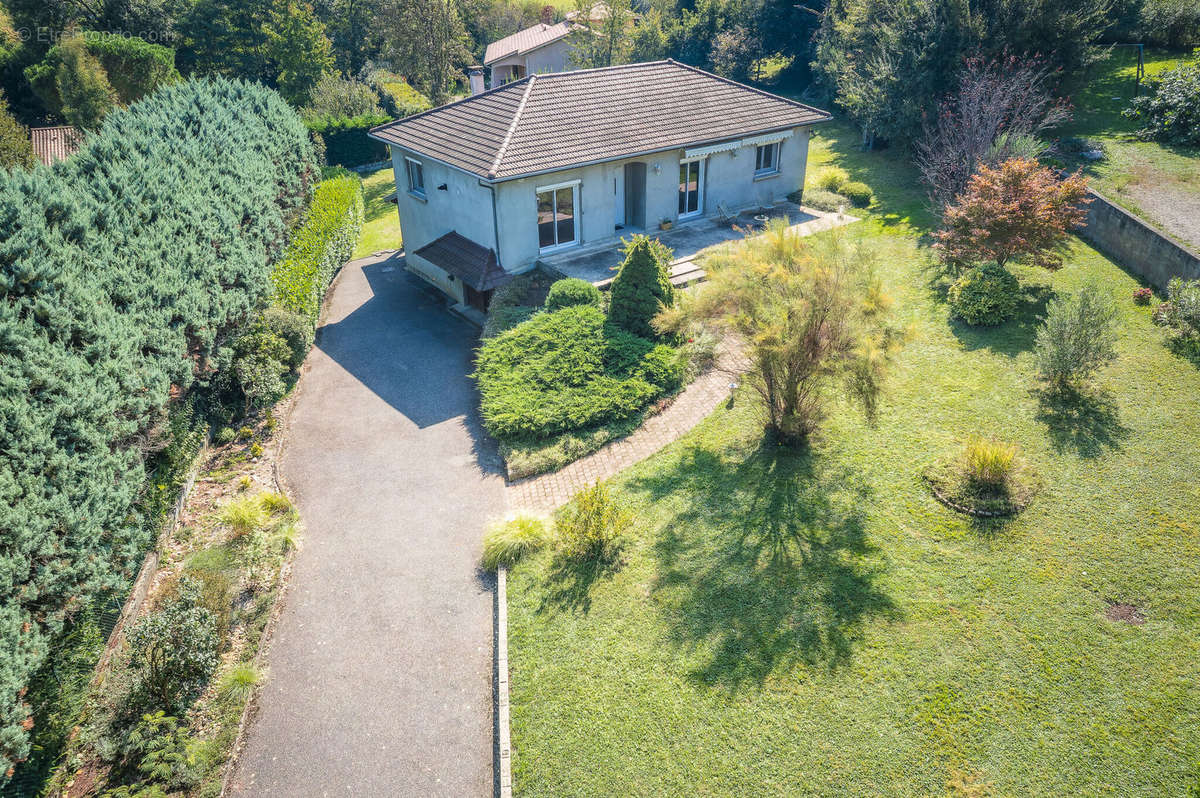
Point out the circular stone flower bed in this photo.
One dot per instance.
(953, 484)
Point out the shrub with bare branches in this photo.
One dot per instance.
(998, 110)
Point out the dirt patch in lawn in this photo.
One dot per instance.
(1129, 613)
(1174, 208)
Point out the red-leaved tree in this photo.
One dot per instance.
(1018, 209)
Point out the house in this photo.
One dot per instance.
(541, 48)
(489, 184)
(51, 144)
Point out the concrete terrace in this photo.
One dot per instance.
(688, 242)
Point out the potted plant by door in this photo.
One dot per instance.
(665, 224)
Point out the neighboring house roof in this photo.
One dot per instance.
(545, 123)
(466, 260)
(52, 144)
(523, 41)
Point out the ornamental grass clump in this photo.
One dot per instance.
(987, 477)
(988, 464)
(245, 516)
(506, 543)
(592, 526)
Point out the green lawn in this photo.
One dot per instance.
(788, 624)
(1160, 183)
(381, 224)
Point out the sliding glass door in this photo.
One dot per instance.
(691, 183)
(556, 216)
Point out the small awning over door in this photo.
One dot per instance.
(473, 264)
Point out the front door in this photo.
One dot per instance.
(477, 299)
(691, 188)
(619, 198)
(634, 183)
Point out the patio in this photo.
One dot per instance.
(688, 242)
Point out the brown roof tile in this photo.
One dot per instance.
(52, 144)
(554, 121)
(466, 260)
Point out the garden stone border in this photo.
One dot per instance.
(962, 508)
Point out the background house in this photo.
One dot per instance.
(541, 48)
(568, 160)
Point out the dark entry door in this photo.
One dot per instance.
(635, 195)
(477, 299)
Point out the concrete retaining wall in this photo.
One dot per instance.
(1136, 245)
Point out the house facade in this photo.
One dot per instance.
(562, 161)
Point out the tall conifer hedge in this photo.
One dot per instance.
(125, 270)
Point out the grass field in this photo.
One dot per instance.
(381, 225)
(815, 623)
(1159, 182)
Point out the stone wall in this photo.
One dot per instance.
(1136, 245)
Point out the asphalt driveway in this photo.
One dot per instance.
(380, 678)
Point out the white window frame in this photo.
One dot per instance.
(699, 187)
(408, 164)
(575, 211)
(777, 146)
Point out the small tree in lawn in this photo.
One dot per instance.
(1077, 339)
(1018, 209)
(813, 318)
(642, 286)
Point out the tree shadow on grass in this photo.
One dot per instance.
(1087, 423)
(1014, 336)
(569, 582)
(766, 567)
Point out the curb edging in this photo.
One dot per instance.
(504, 739)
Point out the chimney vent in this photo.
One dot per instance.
(475, 78)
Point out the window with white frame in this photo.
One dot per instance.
(766, 159)
(556, 215)
(416, 177)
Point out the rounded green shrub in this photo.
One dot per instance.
(832, 178)
(823, 200)
(572, 291)
(224, 435)
(985, 295)
(858, 193)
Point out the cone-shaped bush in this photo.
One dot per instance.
(642, 286)
(126, 270)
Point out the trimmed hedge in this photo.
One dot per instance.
(572, 291)
(568, 370)
(126, 271)
(320, 246)
(346, 140)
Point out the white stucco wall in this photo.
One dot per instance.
(554, 57)
(728, 180)
(464, 207)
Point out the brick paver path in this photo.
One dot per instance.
(548, 491)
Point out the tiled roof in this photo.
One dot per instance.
(52, 144)
(525, 40)
(466, 260)
(548, 122)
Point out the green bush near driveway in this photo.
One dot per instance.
(320, 246)
(567, 370)
(572, 291)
